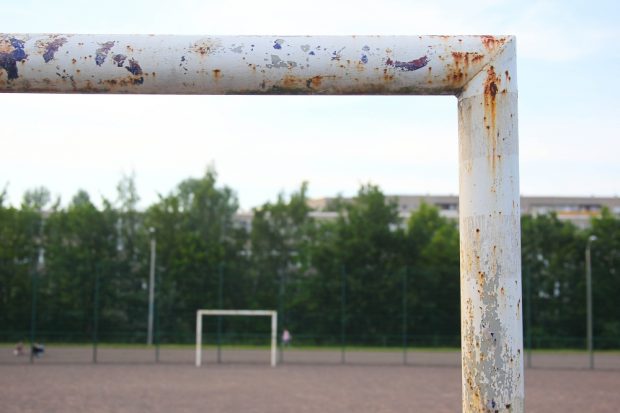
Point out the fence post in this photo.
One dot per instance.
(281, 311)
(343, 315)
(157, 321)
(405, 276)
(528, 315)
(96, 314)
(220, 301)
(33, 314)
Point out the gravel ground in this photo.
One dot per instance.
(253, 387)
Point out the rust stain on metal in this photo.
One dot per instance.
(491, 42)
(387, 76)
(491, 88)
(50, 47)
(456, 76)
(206, 46)
(292, 82)
(217, 74)
(458, 72)
(462, 60)
(314, 82)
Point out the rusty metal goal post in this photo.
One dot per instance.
(479, 70)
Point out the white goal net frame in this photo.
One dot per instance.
(251, 313)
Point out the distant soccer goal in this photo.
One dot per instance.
(253, 313)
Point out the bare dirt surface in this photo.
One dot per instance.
(376, 384)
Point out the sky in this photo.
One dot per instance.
(569, 116)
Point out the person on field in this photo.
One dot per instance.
(38, 349)
(286, 337)
(19, 349)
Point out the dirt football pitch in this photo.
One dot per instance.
(250, 385)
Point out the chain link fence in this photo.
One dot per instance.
(107, 323)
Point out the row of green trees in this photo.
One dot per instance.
(362, 277)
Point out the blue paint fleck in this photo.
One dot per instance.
(277, 44)
(8, 61)
(337, 54)
(408, 66)
(135, 69)
(182, 58)
(311, 53)
(119, 59)
(18, 53)
(364, 59)
(366, 48)
(52, 47)
(102, 52)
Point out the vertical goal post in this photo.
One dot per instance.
(251, 313)
(480, 71)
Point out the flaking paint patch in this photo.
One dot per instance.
(277, 44)
(102, 53)
(119, 59)
(135, 69)
(11, 52)
(51, 46)
(411, 65)
(489, 357)
(277, 63)
(337, 54)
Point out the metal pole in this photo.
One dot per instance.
(590, 340)
(198, 338)
(149, 339)
(405, 316)
(343, 316)
(33, 315)
(274, 337)
(490, 239)
(281, 311)
(169, 64)
(96, 315)
(157, 320)
(528, 309)
(220, 299)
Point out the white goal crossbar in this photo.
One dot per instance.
(267, 313)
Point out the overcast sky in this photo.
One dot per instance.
(569, 115)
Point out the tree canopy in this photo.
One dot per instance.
(362, 274)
